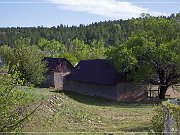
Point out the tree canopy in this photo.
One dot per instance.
(111, 32)
(27, 60)
(152, 56)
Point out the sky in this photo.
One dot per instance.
(49, 13)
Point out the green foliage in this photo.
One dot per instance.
(144, 73)
(112, 32)
(53, 47)
(161, 30)
(71, 112)
(97, 50)
(69, 57)
(157, 121)
(7, 54)
(174, 110)
(151, 55)
(79, 49)
(27, 59)
(13, 103)
(122, 58)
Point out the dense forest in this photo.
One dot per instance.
(110, 32)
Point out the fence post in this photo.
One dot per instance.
(171, 125)
(167, 128)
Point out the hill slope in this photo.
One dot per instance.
(70, 112)
(111, 32)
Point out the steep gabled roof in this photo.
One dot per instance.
(53, 63)
(98, 71)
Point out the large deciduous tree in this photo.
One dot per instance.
(27, 59)
(152, 56)
(79, 49)
(52, 47)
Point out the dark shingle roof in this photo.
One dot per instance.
(52, 63)
(98, 71)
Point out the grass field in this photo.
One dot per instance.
(74, 113)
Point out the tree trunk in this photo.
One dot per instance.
(162, 93)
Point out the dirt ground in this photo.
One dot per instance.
(172, 93)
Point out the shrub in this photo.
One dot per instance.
(13, 104)
(158, 121)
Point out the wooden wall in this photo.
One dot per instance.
(128, 91)
(49, 79)
(97, 90)
(125, 91)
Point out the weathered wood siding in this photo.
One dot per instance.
(54, 78)
(128, 91)
(64, 67)
(124, 91)
(58, 80)
(97, 90)
(49, 79)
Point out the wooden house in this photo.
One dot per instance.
(57, 69)
(99, 78)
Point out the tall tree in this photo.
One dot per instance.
(97, 50)
(152, 53)
(27, 59)
(79, 49)
(52, 47)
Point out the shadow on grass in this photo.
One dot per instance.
(57, 91)
(138, 129)
(97, 101)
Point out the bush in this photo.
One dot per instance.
(13, 104)
(27, 59)
(173, 107)
(169, 118)
(158, 121)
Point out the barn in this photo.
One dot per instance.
(100, 79)
(57, 69)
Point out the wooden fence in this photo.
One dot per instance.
(153, 91)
